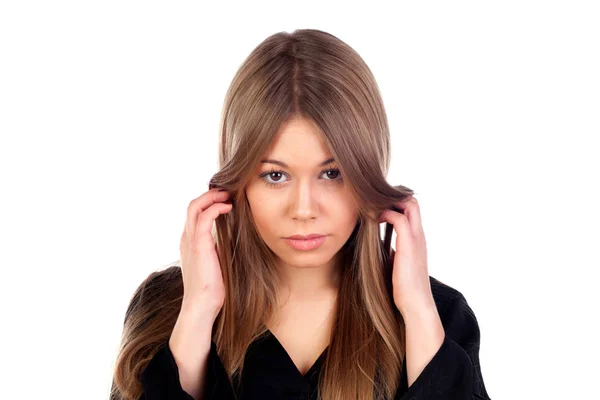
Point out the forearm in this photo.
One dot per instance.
(190, 344)
(424, 337)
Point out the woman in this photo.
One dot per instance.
(250, 312)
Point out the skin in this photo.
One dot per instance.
(412, 291)
(305, 200)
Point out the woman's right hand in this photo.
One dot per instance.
(203, 292)
(200, 268)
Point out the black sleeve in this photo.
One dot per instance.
(160, 378)
(454, 371)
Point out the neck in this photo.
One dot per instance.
(310, 282)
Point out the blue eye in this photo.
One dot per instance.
(265, 175)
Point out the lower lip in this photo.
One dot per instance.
(308, 244)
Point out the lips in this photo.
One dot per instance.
(305, 237)
(306, 244)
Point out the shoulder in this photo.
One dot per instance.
(456, 314)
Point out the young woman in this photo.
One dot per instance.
(255, 309)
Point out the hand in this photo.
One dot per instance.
(410, 276)
(203, 286)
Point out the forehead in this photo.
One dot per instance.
(298, 142)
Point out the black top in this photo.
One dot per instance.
(269, 372)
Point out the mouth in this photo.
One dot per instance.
(306, 244)
(305, 237)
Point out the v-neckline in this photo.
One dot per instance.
(290, 361)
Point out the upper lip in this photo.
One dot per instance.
(305, 237)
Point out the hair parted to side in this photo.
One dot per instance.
(314, 75)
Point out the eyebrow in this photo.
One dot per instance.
(282, 164)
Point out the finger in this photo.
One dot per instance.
(410, 208)
(198, 205)
(208, 217)
(404, 240)
(413, 213)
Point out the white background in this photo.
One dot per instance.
(109, 115)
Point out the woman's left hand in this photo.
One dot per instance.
(410, 276)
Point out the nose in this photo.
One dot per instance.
(304, 201)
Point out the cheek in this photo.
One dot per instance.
(261, 197)
(344, 217)
(348, 207)
(345, 224)
(263, 216)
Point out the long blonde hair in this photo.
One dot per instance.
(314, 75)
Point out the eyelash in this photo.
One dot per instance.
(273, 171)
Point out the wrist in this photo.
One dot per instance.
(199, 309)
(192, 331)
(424, 313)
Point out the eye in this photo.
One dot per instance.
(278, 182)
(336, 173)
(270, 175)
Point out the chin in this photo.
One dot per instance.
(305, 265)
(304, 259)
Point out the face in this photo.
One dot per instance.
(300, 196)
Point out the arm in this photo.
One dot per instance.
(453, 371)
(187, 367)
(190, 345)
(424, 337)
